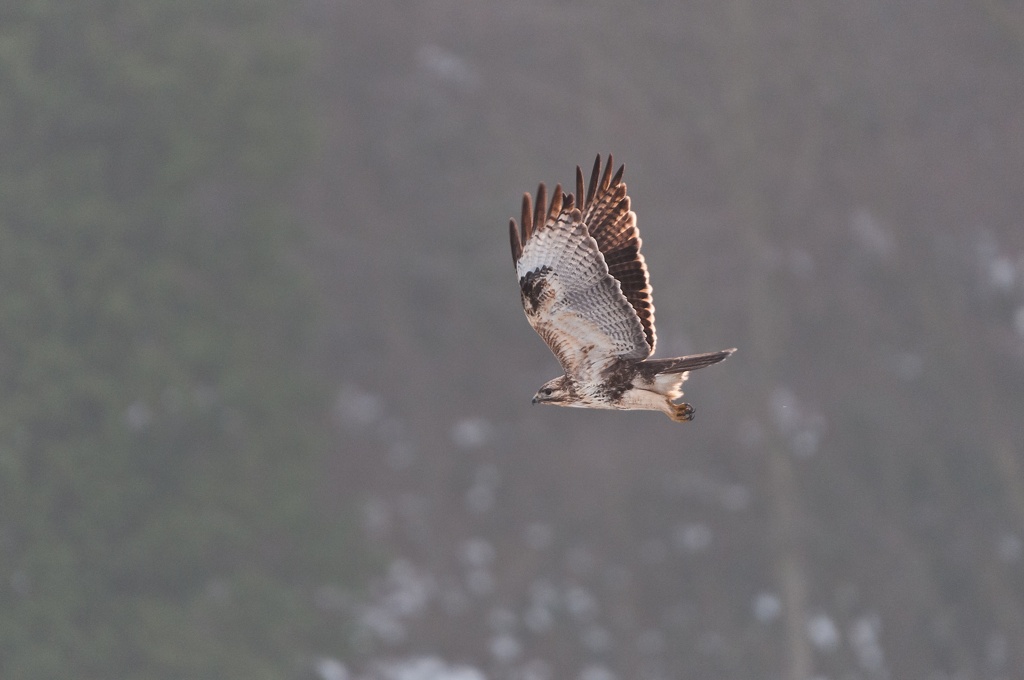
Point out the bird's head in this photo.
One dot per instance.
(556, 392)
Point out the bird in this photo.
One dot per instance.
(585, 289)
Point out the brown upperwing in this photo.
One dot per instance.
(606, 212)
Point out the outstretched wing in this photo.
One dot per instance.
(606, 212)
(568, 294)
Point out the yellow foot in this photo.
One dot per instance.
(681, 413)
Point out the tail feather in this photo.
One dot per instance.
(655, 367)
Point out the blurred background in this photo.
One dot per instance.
(266, 377)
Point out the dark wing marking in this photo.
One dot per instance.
(606, 212)
(569, 297)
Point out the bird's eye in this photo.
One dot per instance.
(546, 391)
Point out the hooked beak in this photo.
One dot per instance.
(534, 400)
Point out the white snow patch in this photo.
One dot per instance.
(1018, 321)
(383, 624)
(596, 639)
(446, 66)
(505, 648)
(580, 603)
(1010, 548)
(1002, 273)
(410, 589)
(358, 407)
(424, 668)
(692, 538)
(330, 669)
(823, 633)
(863, 638)
(785, 410)
(597, 672)
(800, 423)
(538, 618)
(870, 235)
(477, 552)
(539, 535)
(471, 433)
(403, 594)
(767, 607)
(805, 443)
(138, 416)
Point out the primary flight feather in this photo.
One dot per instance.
(586, 291)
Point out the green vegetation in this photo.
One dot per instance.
(159, 427)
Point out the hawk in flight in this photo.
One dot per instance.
(585, 290)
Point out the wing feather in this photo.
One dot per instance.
(517, 243)
(568, 294)
(527, 216)
(610, 221)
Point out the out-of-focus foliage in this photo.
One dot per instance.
(159, 426)
(834, 188)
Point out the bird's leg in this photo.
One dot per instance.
(680, 413)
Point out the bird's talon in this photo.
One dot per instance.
(682, 413)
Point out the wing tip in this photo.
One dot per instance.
(527, 217)
(606, 176)
(617, 179)
(537, 210)
(541, 206)
(556, 202)
(517, 244)
(580, 195)
(595, 173)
